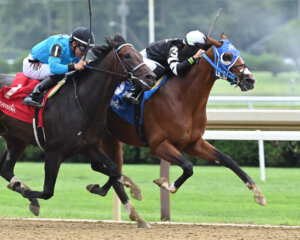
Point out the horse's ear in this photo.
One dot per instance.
(214, 42)
(223, 36)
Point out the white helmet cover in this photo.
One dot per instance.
(193, 37)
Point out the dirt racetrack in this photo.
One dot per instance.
(15, 229)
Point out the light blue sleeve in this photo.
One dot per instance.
(56, 67)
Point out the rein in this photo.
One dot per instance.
(128, 76)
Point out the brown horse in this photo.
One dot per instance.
(174, 118)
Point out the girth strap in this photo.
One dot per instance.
(139, 127)
(38, 131)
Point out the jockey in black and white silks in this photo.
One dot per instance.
(163, 57)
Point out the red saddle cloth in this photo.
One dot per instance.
(11, 99)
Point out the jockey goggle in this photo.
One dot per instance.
(82, 47)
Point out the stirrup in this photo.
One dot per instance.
(29, 101)
(129, 97)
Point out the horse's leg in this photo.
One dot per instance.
(100, 161)
(168, 152)
(7, 164)
(113, 148)
(52, 163)
(102, 191)
(206, 151)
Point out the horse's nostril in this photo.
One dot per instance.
(250, 80)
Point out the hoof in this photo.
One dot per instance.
(13, 185)
(143, 224)
(96, 189)
(135, 191)
(162, 182)
(260, 199)
(258, 196)
(34, 209)
(91, 187)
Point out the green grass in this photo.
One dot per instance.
(213, 194)
(266, 85)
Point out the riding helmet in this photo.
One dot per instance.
(194, 37)
(81, 36)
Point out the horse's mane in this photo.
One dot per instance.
(99, 52)
(191, 50)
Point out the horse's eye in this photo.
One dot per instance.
(226, 58)
(127, 55)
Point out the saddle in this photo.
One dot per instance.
(133, 113)
(11, 103)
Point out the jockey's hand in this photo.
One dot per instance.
(80, 65)
(198, 54)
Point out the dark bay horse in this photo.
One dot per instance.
(174, 118)
(74, 122)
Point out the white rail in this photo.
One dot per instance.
(275, 100)
(258, 135)
(237, 99)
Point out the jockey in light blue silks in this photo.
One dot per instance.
(50, 59)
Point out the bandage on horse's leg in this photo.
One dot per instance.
(14, 149)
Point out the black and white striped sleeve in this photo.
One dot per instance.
(174, 64)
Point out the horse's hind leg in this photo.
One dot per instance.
(7, 164)
(101, 161)
(113, 148)
(168, 152)
(206, 151)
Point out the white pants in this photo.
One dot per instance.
(149, 62)
(37, 71)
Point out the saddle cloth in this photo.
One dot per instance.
(126, 109)
(11, 99)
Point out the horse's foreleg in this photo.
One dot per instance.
(101, 161)
(52, 165)
(206, 151)
(168, 152)
(7, 164)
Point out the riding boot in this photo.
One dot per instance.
(35, 98)
(159, 71)
(132, 95)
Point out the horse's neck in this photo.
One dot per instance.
(198, 83)
(99, 88)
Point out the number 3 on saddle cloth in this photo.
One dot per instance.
(11, 100)
(128, 111)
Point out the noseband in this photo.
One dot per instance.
(239, 79)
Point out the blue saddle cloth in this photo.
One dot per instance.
(126, 109)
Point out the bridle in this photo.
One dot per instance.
(238, 79)
(226, 73)
(127, 75)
